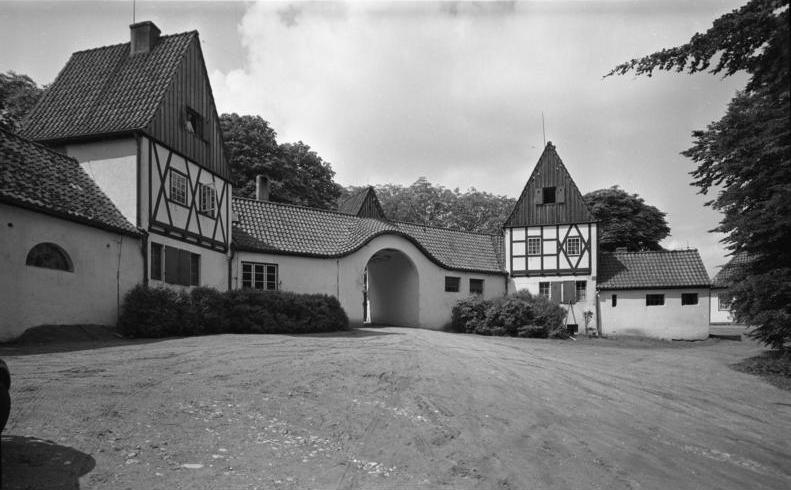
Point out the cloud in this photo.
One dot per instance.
(389, 92)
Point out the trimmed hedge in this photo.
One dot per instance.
(518, 315)
(162, 312)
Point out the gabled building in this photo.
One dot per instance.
(551, 239)
(663, 294)
(67, 254)
(363, 204)
(141, 120)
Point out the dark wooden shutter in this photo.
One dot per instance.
(569, 292)
(194, 270)
(560, 194)
(554, 296)
(539, 197)
(172, 265)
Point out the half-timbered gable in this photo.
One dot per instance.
(140, 117)
(550, 231)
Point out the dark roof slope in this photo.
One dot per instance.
(644, 270)
(277, 228)
(569, 207)
(363, 203)
(105, 91)
(728, 271)
(35, 177)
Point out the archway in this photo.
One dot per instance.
(392, 290)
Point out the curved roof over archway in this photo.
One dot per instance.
(269, 227)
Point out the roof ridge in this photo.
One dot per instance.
(444, 229)
(650, 251)
(108, 46)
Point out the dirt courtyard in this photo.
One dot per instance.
(393, 408)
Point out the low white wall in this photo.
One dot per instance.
(106, 266)
(631, 316)
(716, 315)
(344, 279)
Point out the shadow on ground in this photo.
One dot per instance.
(354, 333)
(51, 339)
(30, 462)
(773, 366)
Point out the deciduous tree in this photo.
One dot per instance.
(745, 157)
(18, 94)
(625, 220)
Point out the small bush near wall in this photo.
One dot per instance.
(519, 315)
(161, 312)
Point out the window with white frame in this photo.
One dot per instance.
(581, 288)
(256, 275)
(534, 245)
(178, 187)
(543, 289)
(207, 199)
(573, 245)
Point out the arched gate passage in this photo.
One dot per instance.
(392, 290)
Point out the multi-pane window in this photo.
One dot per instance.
(452, 284)
(178, 187)
(256, 275)
(534, 245)
(654, 299)
(476, 286)
(207, 199)
(723, 302)
(543, 289)
(689, 299)
(573, 245)
(193, 122)
(49, 256)
(175, 265)
(581, 288)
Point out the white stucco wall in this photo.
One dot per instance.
(576, 311)
(631, 316)
(716, 315)
(106, 266)
(113, 166)
(344, 279)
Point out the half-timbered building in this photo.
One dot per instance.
(551, 240)
(140, 118)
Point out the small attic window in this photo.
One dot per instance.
(193, 122)
(549, 195)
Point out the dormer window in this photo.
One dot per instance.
(193, 122)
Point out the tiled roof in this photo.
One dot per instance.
(105, 91)
(35, 177)
(294, 230)
(728, 271)
(644, 270)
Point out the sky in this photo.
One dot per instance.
(388, 92)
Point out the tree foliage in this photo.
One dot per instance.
(297, 174)
(18, 94)
(625, 220)
(745, 157)
(434, 205)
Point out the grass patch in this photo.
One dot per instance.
(773, 366)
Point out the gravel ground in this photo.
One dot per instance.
(392, 408)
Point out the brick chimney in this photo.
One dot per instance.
(262, 188)
(144, 37)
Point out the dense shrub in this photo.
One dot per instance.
(520, 314)
(160, 312)
(151, 312)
